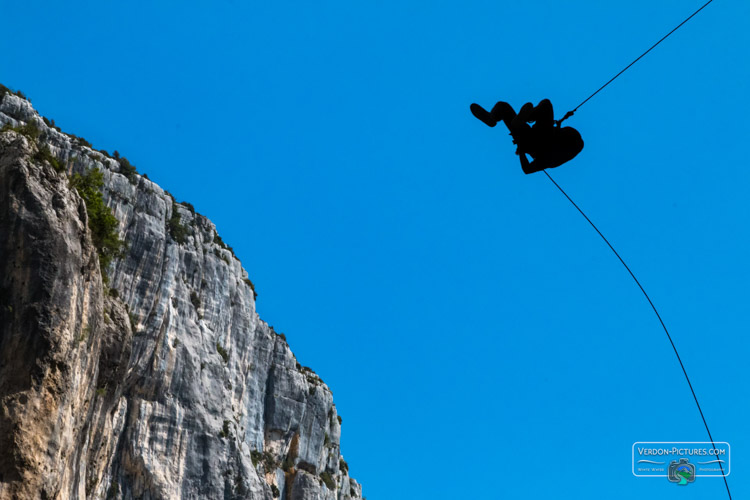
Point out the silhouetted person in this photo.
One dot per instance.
(549, 145)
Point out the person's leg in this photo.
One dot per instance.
(483, 115)
(502, 111)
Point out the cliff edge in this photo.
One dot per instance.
(146, 372)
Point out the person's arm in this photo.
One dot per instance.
(533, 166)
(525, 165)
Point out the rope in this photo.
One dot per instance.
(657, 315)
(570, 113)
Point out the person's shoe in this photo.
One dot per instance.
(483, 115)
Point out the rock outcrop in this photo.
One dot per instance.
(154, 378)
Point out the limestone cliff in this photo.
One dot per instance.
(162, 382)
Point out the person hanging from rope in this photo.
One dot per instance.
(546, 142)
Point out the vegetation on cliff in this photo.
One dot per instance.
(102, 223)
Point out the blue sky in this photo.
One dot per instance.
(473, 327)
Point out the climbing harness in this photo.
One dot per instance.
(684, 371)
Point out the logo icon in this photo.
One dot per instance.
(682, 472)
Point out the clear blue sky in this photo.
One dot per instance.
(474, 329)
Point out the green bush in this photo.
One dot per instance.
(220, 242)
(189, 206)
(252, 287)
(29, 130)
(114, 490)
(224, 433)
(5, 90)
(78, 140)
(275, 491)
(269, 461)
(102, 223)
(177, 231)
(195, 300)
(221, 255)
(84, 334)
(50, 123)
(328, 480)
(307, 467)
(127, 169)
(222, 352)
(287, 464)
(255, 456)
(44, 154)
(239, 486)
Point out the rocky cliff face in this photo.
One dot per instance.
(162, 382)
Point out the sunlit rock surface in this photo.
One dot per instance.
(163, 382)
